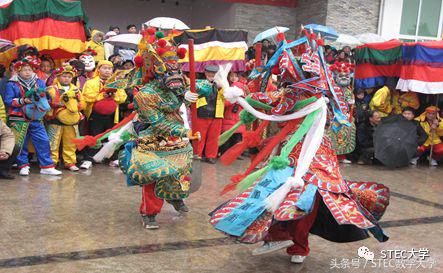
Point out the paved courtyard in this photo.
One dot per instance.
(89, 222)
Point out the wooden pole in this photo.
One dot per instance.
(258, 50)
(192, 82)
(432, 137)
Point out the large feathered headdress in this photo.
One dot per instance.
(156, 53)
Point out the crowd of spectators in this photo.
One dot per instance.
(102, 60)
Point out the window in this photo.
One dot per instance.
(421, 20)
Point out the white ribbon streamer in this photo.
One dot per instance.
(114, 139)
(298, 114)
(311, 143)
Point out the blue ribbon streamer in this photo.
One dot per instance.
(307, 198)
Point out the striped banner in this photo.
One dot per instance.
(422, 68)
(419, 66)
(215, 47)
(55, 27)
(377, 61)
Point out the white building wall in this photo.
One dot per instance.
(196, 14)
(390, 18)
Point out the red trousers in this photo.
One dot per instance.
(296, 230)
(210, 130)
(437, 151)
(151, 204)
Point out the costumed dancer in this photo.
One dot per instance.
(27, 100)
(210, 110)
(158, 156)
(343, 137)
(300, 189)
(63, 118)
(101, 109)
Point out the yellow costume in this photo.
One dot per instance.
(381, 102)
(410, 99)
(434, 138)
(98, 47)
(92, 93)
(2, 111)
(62, 121)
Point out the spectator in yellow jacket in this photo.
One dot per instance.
(2, 111)
(409, 99)
(433, 126)
(382, 101)
(402, 100)
(102, 103)
(64, 117)
(96, 44)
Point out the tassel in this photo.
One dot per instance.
(115, 140)
(234, 182)
(228, 134)
(233, 153)
(267, 150)
(86, 141)
(94, 141)
(250, 140)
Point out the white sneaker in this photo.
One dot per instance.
(414, 161)
(433, 162)
(86, 165)
(113, 163)
(73, 168)
(268, 247)
(346, 161)
(24, 171)
(50, 171)
(297, 259)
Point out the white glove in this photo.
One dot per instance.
(232, 93)
(221, 77)
(191, 97)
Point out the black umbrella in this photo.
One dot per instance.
(395, 141)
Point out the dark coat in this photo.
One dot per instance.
(365, 135)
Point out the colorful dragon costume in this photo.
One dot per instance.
(157, 154)
(298, 187)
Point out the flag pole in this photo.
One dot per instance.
(192, 82)
(258, 50)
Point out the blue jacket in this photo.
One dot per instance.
(14, 97)
(3, 83)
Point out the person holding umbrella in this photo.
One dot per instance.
(432, 123)
(397, 138)
(408, 113)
